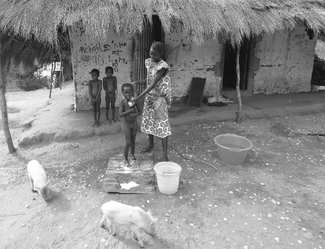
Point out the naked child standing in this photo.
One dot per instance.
(110, 88)
(95, 87)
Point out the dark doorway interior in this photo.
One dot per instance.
(153, 32)
(156, 30)
(229, 72)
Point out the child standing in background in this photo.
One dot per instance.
(94, 88)
(129, 111)
(110, 87)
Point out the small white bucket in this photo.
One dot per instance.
(167, 177)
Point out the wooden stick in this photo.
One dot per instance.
(7, 215)
(309, 134)
(239, 117)
(195, 158)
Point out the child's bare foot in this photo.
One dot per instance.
(97, 125)
(134, 160)
(127, 163)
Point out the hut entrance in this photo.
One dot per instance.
(142, 42)
(229, 71)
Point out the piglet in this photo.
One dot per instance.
(134, 218)
(38, 180)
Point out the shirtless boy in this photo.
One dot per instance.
(110, 87)
(95, 87)
(129, 112)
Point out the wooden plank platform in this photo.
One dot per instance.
(136, 179)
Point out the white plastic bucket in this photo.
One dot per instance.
(167, 177)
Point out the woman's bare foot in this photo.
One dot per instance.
(94, 124)
(108, 122)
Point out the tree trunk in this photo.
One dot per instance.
(50, 94)
(239, 116)
(3, 104)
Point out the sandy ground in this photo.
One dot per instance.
(274, 200)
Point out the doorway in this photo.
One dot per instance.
(156, 29)
(152, 32)
(229, 71)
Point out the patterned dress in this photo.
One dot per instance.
(156, 103)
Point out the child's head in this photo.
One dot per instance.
(156, 51)
(109, 71)
(94, 74)
(127, 90)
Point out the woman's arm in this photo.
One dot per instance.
(136, 83)
(138, 109)
(161, 73)
(140, 82)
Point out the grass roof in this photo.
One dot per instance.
(198, 19)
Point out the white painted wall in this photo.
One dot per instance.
(188, 60)
(284, 62)
(114, 51)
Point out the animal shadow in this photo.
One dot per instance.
(58, 202)
(123, 239)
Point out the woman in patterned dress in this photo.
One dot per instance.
(157, 100)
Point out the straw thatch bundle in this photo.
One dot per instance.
(198, 19)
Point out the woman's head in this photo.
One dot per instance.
(156, 51)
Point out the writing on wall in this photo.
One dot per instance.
(108, 54)
(301, 39)
(176, 29)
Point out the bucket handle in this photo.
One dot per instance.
(170, 173)
(234, 150)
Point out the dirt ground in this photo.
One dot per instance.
(276, 199)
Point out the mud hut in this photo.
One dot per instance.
(276, 39)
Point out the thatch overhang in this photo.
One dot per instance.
(198, 19)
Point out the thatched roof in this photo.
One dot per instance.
(199, 19)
